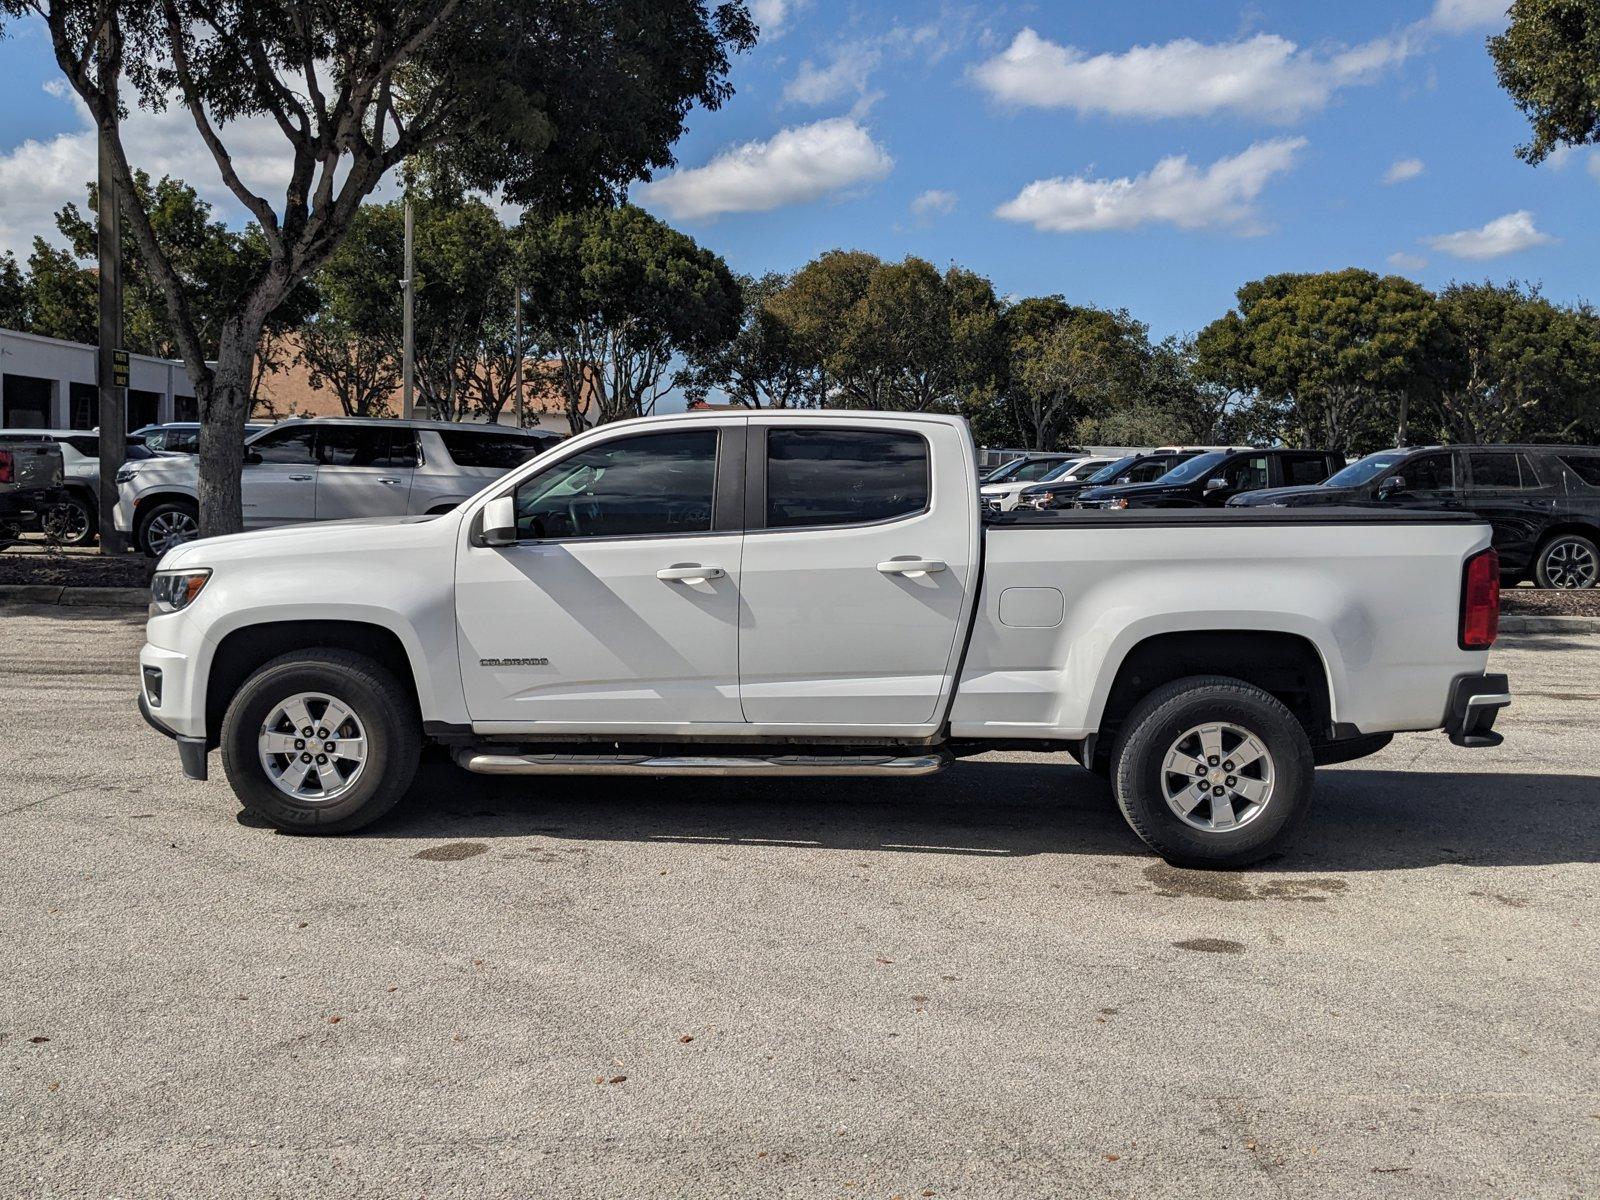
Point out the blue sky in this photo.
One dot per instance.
(1152, 156)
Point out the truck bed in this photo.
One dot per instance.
(1145, 518)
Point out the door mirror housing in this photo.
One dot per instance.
(1216, 484)
(500, 522)
(1391, 486)
(252, 457)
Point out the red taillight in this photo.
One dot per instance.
(5, 467)
(1480, 601)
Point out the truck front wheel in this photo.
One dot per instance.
(321, 741)
(1212, 772)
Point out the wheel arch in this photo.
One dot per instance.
(1286, 665)
(241, 652)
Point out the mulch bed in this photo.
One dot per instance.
(73, 568)
(1532, 601)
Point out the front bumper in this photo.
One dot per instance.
(1475, 702)
(191, 750)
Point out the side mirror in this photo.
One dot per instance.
(1391, 485)
(500, 522)
(251, 457)
(1216, 484)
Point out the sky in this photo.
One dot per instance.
(1152, 156)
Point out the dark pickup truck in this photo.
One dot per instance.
(30, 485)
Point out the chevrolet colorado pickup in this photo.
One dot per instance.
(819, 593)
(31, 470)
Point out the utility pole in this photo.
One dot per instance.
(521, 356)
(112, 381)
(408, 333)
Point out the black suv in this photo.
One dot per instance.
(1212, 479)
(1543, 501)
(1136, 468)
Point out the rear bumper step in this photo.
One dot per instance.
(489, 763)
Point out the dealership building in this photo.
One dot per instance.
(46, 383)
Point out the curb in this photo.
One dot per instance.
(1515, 623)
(77, 597)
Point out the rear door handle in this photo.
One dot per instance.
(689, 573)
(914, 567)
(302, 478)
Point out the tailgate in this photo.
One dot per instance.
(34, 465)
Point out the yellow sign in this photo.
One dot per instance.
(119, 368)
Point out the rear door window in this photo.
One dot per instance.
(1499, 470)
(366, 446)
(844, 476)
(1304, 468)
(488, 448)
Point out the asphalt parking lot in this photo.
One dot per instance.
(977, 985)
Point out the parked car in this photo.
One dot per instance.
(1135, 468)
(31, 475)
(1542, 501)
(1029, 466)
(327, 470)
(1211, 480)
(1002, 497)
(183, 437)
(75, 519)
(798, 593)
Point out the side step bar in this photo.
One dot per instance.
(835, 766)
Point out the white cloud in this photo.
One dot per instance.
(38, 176)
(1173, 192)
(933, 203)
(1407, 262)
(1264, 76)
(1403, 169)
(1509, 234)
(55, 87)
(794, 166)
(771, 16)
(1458, 16)
(845, 74)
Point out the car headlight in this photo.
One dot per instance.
(126, 472)
(174, 591)
(1119, 502)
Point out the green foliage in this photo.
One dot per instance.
(1326, 349)
(1068, 364)
(63, 298)
(764, 365)
(895, 336)
(615, 294)
(13, 293)
(1520, 366)
(1548, 60)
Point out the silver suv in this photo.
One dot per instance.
(328, 469)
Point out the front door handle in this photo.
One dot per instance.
(916, 568)
(302, 478)
(389, 481)
(689, 573)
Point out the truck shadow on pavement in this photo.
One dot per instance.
(1362, 820)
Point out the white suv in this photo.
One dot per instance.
(328, 470)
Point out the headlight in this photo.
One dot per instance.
(174, 591)
(126, 472)
(1119, 502)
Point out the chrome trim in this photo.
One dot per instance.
(630, 764)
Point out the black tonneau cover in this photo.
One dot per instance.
(1144, 518)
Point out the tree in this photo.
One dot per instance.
(1325, 348)
(14, 293)
(462, 258)
(1548, 59)
(1069, 364)
(61, 295)
(614, 295)
(551, 102)
(897, 336)
(765, 364)
(1521, 367)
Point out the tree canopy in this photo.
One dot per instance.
(1548, 60)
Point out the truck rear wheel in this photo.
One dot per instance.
(321, 741)
(1212, 772)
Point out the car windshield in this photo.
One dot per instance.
(1061, 470)
(1003, 472)
(1365, 470)
(1035, 468)
(1108, 473)
(1195, 468)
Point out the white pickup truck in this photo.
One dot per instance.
(817, 593)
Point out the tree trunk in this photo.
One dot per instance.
(224, 400)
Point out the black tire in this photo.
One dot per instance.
(166, 510)
(1325, 754)
(73, 521)
(1567, 561)
(1153, 728)
(388, 717)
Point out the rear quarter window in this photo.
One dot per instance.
(499, 451)
(1585, 466)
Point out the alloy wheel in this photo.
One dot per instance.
(169, 529)
(1217, 777)
(312, 747)
(1570, 563)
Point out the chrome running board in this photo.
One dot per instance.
(485, 763)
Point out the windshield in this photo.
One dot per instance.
(1030, 469)
(1108, 473)
(1365, 470)
(1194, 468)
(1001, 473)
(1061, 470)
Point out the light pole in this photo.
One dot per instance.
(521, 354)
(408, 329)
(113, 404)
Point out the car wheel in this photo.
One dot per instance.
(1212, 772)
(1567, 561)
(321, 742)
(168, 524)
(72, 522)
